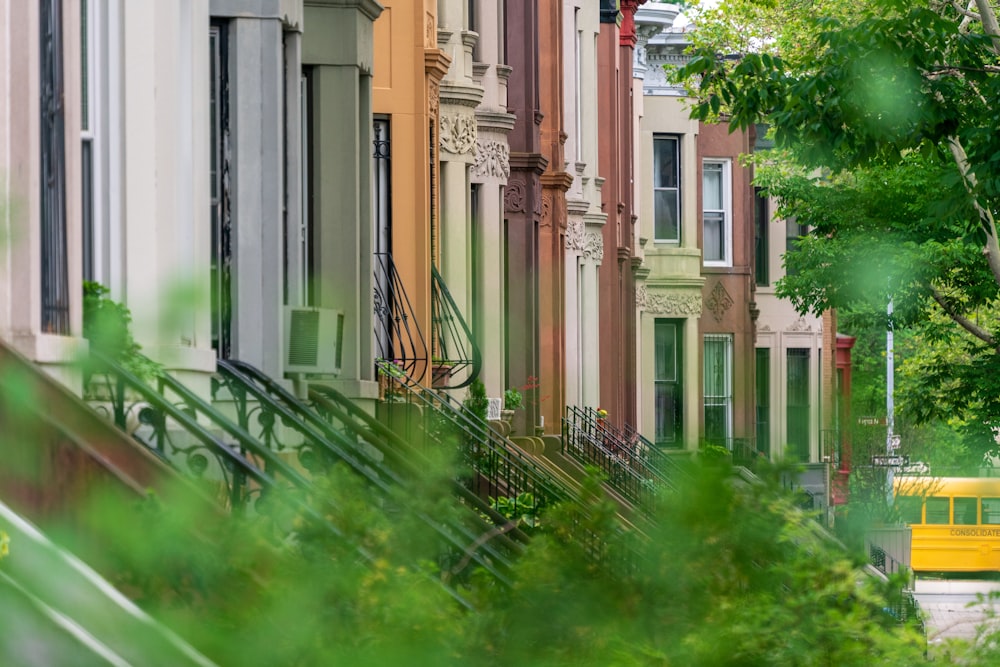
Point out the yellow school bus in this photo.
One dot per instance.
(955, 522)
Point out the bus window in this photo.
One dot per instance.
(991, 510)
(909, 509)
(965, 511)
(938, 510)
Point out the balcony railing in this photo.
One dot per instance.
(458, 359)
(397, 331)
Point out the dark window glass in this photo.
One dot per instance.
(763, 396)
(938, 511)
(760, 219)
(668, 387)
(965, 511)
(798, 403)
(666, 188)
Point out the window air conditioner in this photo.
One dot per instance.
(314, 340)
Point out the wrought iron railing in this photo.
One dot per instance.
(494, 466)
(611, 458)
(188, 432)
(742, 450)
(397, 330)
(629, 448)
(328, 433)
(457, 358)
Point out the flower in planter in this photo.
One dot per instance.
(602, 413)
(512, 399)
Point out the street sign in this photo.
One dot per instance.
(871, 421)
(894, 442)
(890, 461)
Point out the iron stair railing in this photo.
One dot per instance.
(497, 467)
(354, 442)
(601, 451)
(170, 420)
(397, 331)
(458, 359)
(625, 448)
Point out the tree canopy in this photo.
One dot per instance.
(887, 147)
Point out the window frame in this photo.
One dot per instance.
(675, 379)
(661, 139)
(726, 185)
(722, 400)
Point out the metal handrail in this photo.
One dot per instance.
(498, 464)
(397, 330)
(629, 447)
(332, 444)
(454, 344)
(607, 457)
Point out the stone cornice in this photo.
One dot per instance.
(596, 220)
(577, 206)
(535, 162)
(461, 94)
(369, 8)
(436, 63)
(495, 121)
(557, 179)
(504, 72)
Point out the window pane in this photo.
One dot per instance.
(665, 162)
(668, 412)
(666, 225)
(937, 511)
(717, 379)
(797, 424)
(763, 373)
(712, 198)
(666, 350)
(715, 240)
(991, 511)
(909, 509)
(965, 511)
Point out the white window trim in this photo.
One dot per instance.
(678, 188)
(727, 211)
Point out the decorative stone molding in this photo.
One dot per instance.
(538, 197)
(514, 195)
(546, 209)
(763, 328)
(800, 325)
(574, 235)
(593, 246)
(668, 303)
(492, 159)
(458, 133)
(718, 301)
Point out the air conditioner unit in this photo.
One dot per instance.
(314, 340)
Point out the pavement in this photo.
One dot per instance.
(952, 608)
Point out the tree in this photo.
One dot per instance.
(889, 151)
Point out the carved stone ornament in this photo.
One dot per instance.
(718, 302)
(538, 197)
(800, 325)
(763, 328)
(669, 303)
(433, 99)
(458, 133)
(546, 209)
(574, 235)
(593, 246)
(492, 159)
(514, 194)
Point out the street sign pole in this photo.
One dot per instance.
(889, 387)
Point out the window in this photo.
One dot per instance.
(55, 271)
(793, 232)
(763, 396)
(666, 189)
(668, 395)
(965, 511)
(719, 388)
(910, 509)
(991, 511)
(717, 219)
(798, 403)
(938, 511)
(218, 114)
(760, 249)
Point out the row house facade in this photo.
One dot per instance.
(504, 190)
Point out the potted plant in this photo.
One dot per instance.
(512, 400)
(440, 373)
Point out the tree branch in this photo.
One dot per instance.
(989, 20)
(986, 219)
(967, 324)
